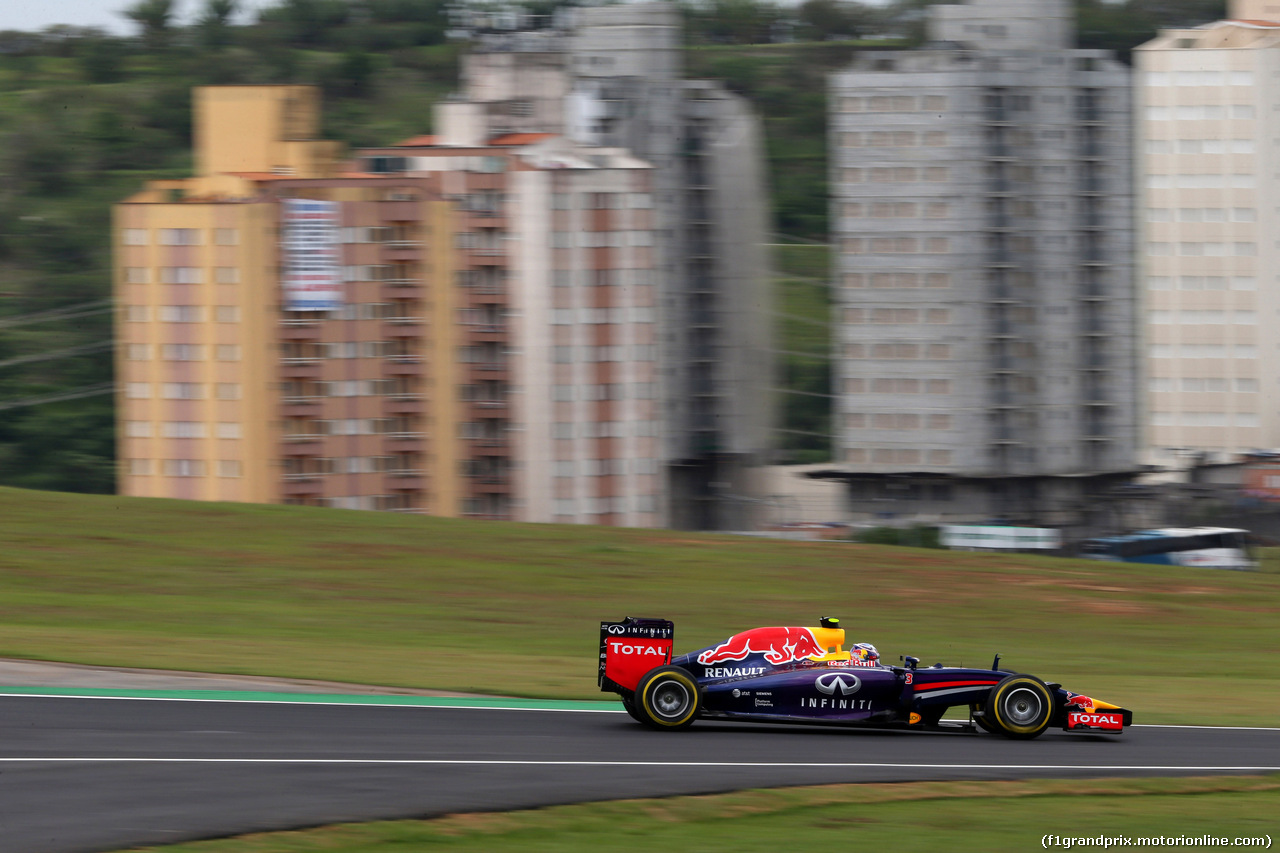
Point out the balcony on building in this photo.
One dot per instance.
(301, 325)
(302, 445)
(403, 364)
(301, 368)
(298, 406)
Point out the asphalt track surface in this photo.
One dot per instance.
(94, 774)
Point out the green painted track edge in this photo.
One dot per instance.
(321, 698)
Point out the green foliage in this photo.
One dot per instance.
(918, 536)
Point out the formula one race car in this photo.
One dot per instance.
(805, 675)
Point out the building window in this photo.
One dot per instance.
(182, 391)
(181, 275)
(227, 313)
(137, 390)
(226, 236)
(137, 275)
(226, 275)
(230, 468)
(180, 237)
(140, 467)
(138, 352)
(134, 237)
(137, 313)
(228, 390)
(182, 429)
(182, 352)
(181, 314)
(183, 468)
(137, 429)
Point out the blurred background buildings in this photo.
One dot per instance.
(982, 214)
(1047, 273)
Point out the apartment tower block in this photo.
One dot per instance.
(1208, 129)
(986, 362)
(296, 329)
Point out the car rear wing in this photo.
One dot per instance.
(630, 648)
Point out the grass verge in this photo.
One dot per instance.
(920, 816)
(380, 598)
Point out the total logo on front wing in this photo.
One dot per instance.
(1110, 722)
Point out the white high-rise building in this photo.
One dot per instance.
(982, 216)
(1208, 135)
(612, 75)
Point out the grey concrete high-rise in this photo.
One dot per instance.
(982, 214)
(612, 75)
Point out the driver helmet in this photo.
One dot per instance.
(866, 653)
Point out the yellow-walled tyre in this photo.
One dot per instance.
(1020, 707)
(667, 698)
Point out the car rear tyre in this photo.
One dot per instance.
(1020, 707)
(629, 702)
(667, 698)
(982, 721)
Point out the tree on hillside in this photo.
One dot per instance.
(307, 22)
(215, 23)
(1178, 13)
(155, 17)
(822, 20)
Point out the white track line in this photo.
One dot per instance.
(555, 763)
(365, 704)
(354, 703)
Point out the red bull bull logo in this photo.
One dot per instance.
(1075, 700)
(778, 645)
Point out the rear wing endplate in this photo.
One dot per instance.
(630, 648)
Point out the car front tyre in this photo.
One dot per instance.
(667, 698)
(979, 715)
(1020, 707)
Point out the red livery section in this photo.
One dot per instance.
(938, 685)
(629, 659)
(632, 647)
(1108, 720)
(778, 645)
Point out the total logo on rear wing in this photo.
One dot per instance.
(630, 648)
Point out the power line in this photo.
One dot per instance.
(59, 353)
(804, 393)
(804, 432)
(825, 356)
(87, 391)
(68, 312)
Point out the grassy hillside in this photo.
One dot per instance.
(397, 600)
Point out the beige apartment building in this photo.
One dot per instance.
(1208, 138)
(296, 329)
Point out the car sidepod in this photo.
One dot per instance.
(803, 694)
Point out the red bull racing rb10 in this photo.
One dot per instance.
(806, 675)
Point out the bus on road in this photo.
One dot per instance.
(1205, 547)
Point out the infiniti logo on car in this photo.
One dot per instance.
(830, 682)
